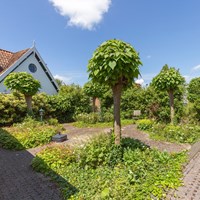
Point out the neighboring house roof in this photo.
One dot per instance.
(7, 58)
(9, 61)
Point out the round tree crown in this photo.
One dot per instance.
(114, 61)
(23, 82)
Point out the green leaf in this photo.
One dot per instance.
(112, 64)
(96, 72)
(105, 193)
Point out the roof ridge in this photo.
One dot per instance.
(8, 58)
(6, 51)
(25, 50)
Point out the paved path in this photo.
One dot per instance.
(191, 188)
(191, 180)
(19, 182)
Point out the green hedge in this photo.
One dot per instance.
(62, 106)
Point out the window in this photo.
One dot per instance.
(32, 68)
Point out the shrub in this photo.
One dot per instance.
(93, 118)
(52, 121)
(12, 108)
(144, 124)
(100, 151)
(179, 133)
(90, 118)
(107, 117)
(70, 101)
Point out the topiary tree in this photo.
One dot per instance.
(96, 91)
(114, 63)
(25, 84)
(169, 79)
(194, 89)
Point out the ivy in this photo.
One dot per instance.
(102, 170)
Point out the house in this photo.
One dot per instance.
(30, 61)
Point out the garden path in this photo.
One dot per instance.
(19, 182)
(78, 136)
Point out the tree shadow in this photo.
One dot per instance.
(18, 179)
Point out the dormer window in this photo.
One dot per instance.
(32, 68)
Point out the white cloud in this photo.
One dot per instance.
(196, 68)
(66, 80)
(139, 81)
(82, 13)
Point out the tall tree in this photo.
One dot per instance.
(115, 63)
(169, 79)
(25, 84)
(59, 82)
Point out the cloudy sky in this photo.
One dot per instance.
(66, 33)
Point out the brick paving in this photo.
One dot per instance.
(191, 179)
(19, 182)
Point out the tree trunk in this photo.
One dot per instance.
(29, 104)
(96, 104)
(93, 104)
(117, 91)
(171, 101)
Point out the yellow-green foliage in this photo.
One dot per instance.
(176, 133)
(101, 170)
(12, 108)
(26, 135)
(144, 124)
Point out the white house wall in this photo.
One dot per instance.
(46, 85)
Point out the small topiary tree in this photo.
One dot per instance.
(169, 79)
(95, 91)
(115, 63)
(194, 89)
(25, 84)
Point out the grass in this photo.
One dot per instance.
(124, 122)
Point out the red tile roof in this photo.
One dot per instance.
(7, 58)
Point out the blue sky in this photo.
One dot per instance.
(67, 32)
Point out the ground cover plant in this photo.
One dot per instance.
(183, 133)
(176, 133)
(26, 135)
(103, 170)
